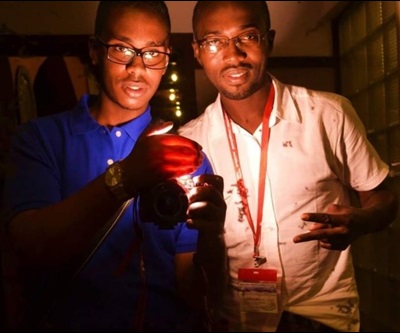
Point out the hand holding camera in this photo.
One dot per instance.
(207, 207)
(158, 156)
(182, 199)
(157, 172)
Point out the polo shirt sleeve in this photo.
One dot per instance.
(186, 240)
(32, 180)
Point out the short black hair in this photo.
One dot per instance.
(262, 9)
(104, 8)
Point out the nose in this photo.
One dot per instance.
(235, 41)
(233, 49)
(135, 64)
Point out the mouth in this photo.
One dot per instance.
(235, 76)
(134, 89)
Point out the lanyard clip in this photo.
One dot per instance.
(259, 260)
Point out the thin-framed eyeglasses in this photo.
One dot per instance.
(218, 43)
(153, 57)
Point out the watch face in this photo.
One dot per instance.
(26, 97)
(113, 175)
(114, 182)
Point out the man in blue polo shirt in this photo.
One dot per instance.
(88, 261)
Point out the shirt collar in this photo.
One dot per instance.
(284, 107)
(82, 122)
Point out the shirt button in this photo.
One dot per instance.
(118, 134)
(110, 161)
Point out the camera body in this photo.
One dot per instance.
(166, 203)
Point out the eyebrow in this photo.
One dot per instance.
(149, 43)
(243, 27)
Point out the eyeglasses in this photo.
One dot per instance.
(246, 40)
(153, 57)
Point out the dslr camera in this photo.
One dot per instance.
(166, 203)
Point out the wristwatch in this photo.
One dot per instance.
(114, 179)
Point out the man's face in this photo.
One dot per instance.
(237, 70)
(131, 86)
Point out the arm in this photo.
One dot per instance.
(202, 276)
(380, 207)
(341, 225)
(54, 235)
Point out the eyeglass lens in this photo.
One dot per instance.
(150, 58)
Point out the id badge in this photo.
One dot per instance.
(258, 290)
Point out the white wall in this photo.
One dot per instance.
(303, 27)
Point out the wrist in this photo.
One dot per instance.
(210, 248)
(210, 240)
(115, 180)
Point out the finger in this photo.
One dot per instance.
(210, 179)
(160, 152)
(326, 245)
(319, 235)
(206, 210)
(313, 236)
(178, 156)
(206, 216)
(207, 192)
(177, 140)
(173, 161)
(190, 224)
(214, 227)
(157, 128)
(183, 152)
(163, 171)
(316, 226)
(338, 246)
(318, 217)
(160, 128)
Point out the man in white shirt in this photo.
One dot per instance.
(289, 157)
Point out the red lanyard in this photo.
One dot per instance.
(263, 170)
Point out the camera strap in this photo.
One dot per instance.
(59, 291)
(135, 246)
(106, 231)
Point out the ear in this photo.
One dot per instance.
(196, 52)
(169, 50)
(270, 40)
(93, 50)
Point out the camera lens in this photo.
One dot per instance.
(165, 204)
(170, 201)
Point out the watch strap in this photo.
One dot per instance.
(114, 179)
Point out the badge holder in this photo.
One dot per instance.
(258, 290)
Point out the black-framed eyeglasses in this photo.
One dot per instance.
(153, 57)
(245, 40)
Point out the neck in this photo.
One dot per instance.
(247, 113)
(110, 115)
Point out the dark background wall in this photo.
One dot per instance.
(46, 41)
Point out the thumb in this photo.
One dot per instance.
(337, 209)
(158, 128)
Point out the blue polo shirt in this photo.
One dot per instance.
(51, 158)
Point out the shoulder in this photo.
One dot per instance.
(192, 125)
(204, 123)
(53, 127)
(310, 106)
(312, 98)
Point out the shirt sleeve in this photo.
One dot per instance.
(366, 169)
(31, 181)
